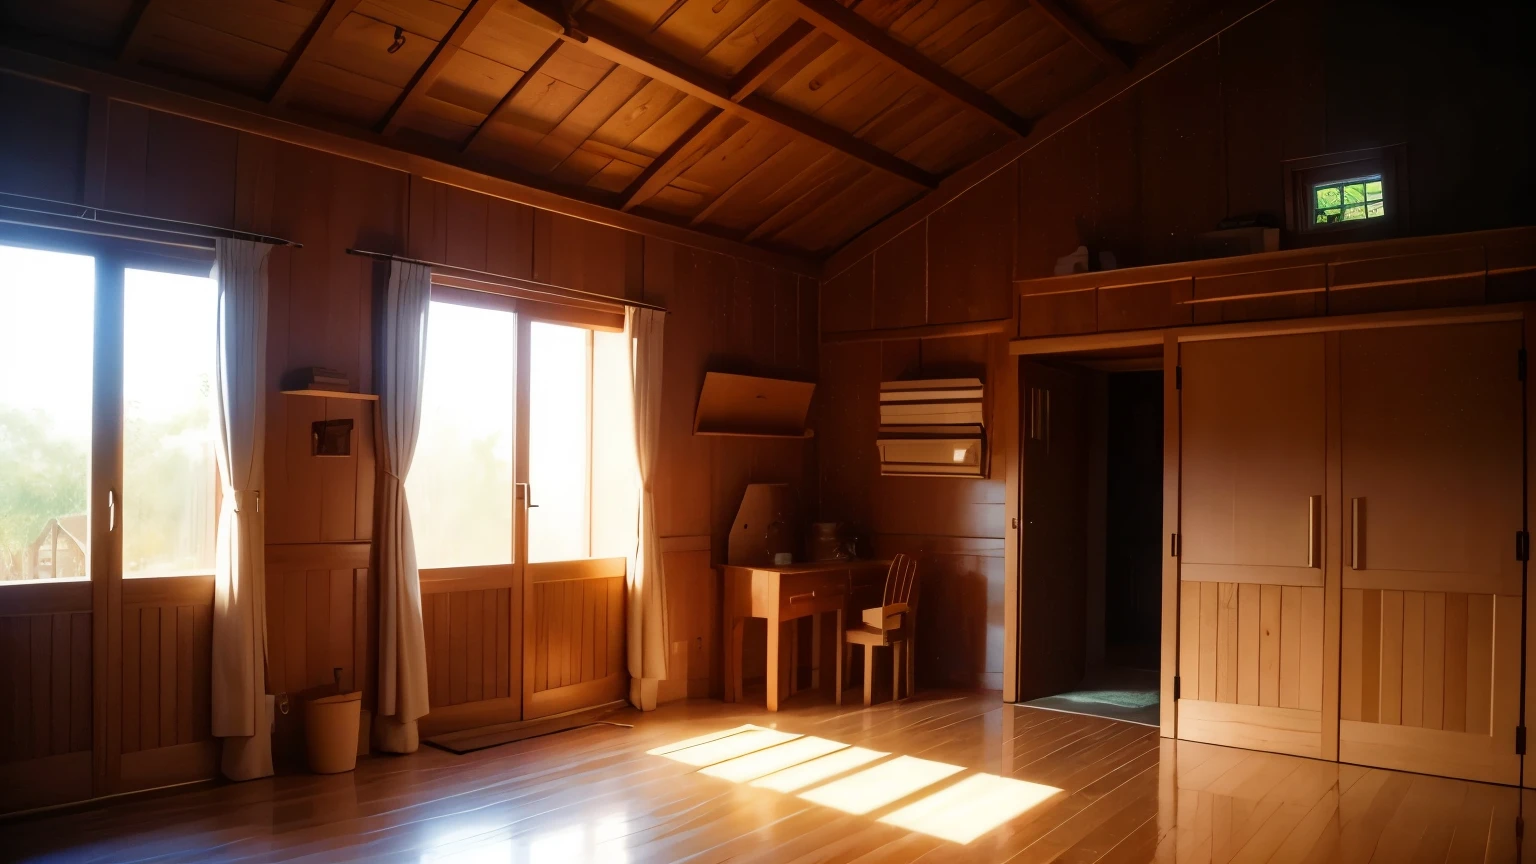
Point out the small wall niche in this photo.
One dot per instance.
(331, 438)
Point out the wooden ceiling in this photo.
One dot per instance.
(790, 124)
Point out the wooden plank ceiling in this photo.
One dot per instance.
(792, 124)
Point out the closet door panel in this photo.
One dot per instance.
(1253, 455)
(1431, 451)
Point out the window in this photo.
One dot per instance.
(170, 474)
(47, 327)
(1348, 200)
(559, 441)
(1347, 197)
(578, 440)
(460, 483)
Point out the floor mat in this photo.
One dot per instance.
(470, 740)
(1131, 695)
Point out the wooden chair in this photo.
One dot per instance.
(893, 624)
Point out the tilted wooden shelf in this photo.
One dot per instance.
(333, 394)
(748, 406)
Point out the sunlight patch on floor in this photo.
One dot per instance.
(855, 780)
(970, 808)
(817, 770)
(765, 762)
(719, 750)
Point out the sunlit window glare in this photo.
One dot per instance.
(47, 306)
(559, 442)
(970, 808)
(460, 485)
(861, 782)
(170, 477)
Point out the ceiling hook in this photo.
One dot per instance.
(399, 40)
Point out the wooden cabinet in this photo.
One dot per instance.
(1253, 456)
(1430, 663)
(1348, 509)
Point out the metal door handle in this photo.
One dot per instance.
(111, 511)
(1314, 531)
(795, 598)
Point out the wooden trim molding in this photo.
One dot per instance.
(569, 571)
(921, 331)
(318, 556)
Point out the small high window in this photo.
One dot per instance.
(1351, 200)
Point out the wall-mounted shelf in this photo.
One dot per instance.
(333, 394)
(748, 406)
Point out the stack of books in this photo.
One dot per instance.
(321, 378)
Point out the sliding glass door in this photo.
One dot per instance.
(106, 472)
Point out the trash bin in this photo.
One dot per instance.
(330, 732)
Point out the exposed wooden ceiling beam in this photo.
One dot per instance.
(469, 20)
(308, 46)
(707, 131)
(138, 32)
(517, 88)
(616, 44)
(1194, 35)
(1080, 33)
(770, 60)
(845, 24)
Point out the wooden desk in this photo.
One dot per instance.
(782, 594)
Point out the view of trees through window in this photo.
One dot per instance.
(1348, 200)
(47, 308)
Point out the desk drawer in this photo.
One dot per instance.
(805, 593)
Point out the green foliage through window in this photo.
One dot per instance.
(1348, 200)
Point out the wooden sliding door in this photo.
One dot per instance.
(1253, 455)
(1432, 444)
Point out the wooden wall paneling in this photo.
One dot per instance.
(1182, 146)
(1295, 292)
(586, 256)
(1450, 277)
(44, 708)
(1274, 95)
(1057, 313)
(577, 618)
(970, 253)
(847, 300)
(45, 155)
(901, 280)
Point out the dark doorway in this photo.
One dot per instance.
(1091, 554)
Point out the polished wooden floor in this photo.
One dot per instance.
(597, 794)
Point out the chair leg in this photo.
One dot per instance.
(840, 649)
(895, 671)
(911, 678)
(869, 675)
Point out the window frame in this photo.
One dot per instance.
(533, 307)
(1303, 176)
(112, 256)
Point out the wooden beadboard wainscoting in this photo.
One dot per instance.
(469, 617)
(573, 638)
(167, 646)
(45, 694)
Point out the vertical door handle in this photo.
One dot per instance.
(1356, 531)
(111, 511)
(1315, 531)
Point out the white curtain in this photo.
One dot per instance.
(402, 648)
(242, 713)
(647, 584)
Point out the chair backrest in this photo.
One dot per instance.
(901, 582)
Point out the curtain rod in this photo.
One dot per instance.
(102, 216)
(489, 278)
